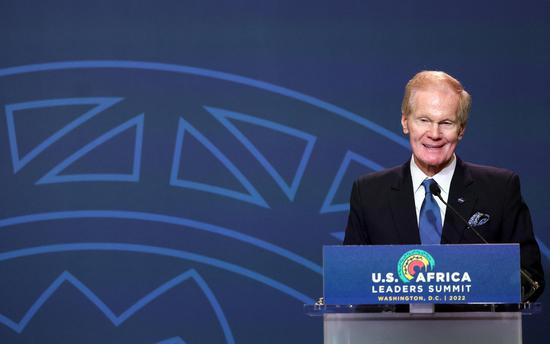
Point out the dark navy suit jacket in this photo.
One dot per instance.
(382, 211)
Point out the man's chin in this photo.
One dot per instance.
(432, 165)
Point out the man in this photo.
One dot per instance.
(395, 206)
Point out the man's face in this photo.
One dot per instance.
(433, 128)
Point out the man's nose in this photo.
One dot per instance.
(434, 132)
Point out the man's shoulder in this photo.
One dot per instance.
(487, 172)
(383, 177)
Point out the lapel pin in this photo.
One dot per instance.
(460, 200)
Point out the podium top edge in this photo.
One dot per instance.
(527, 308)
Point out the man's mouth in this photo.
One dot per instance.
(428, 146)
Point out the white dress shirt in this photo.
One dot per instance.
(443, 179)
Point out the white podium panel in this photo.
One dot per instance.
(409, 328)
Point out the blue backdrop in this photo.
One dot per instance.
(170, 170)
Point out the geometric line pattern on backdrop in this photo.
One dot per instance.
(160, 251)
(53, 175)
(184, 222)
(328, 206)
(253, 196)
(20, 161)
(208, 73)
(338, 235)
(166, 219)
(544, 249)
(118, 320)
(289, 190)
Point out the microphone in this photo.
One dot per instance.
(436, 191)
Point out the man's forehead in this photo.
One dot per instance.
(434, 95)
(435, 101)
(440, 88)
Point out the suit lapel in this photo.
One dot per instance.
(461, 197)
(403, 208)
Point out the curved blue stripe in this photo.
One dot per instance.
(133, 215)
(209, 74)
(185, 255)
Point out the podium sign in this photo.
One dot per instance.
(407, 274)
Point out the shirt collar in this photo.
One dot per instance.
(443, 178)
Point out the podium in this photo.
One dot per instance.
(449, 324)
(422, 294)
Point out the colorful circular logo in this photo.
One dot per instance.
(413, 262)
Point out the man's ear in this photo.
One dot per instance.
(404, 124)
(461, 133)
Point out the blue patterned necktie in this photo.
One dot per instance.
(430, 217)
